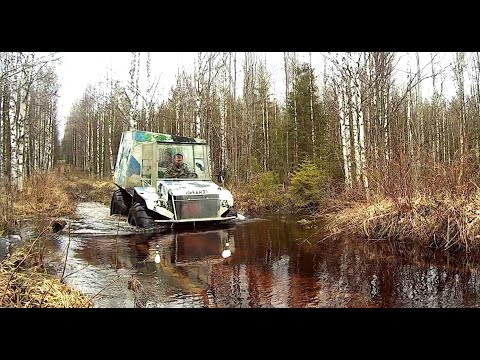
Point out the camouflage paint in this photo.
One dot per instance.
(128, 167)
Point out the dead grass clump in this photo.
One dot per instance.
(6, 208)
(85, 188)
(24, 284)
(44, 194)
(442, 222)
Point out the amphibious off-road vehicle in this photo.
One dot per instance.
(148, 197)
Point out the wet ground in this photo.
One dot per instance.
(252, 263)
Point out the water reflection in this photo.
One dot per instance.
(266, 266)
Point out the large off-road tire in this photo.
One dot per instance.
(138, 216)
(118, 205)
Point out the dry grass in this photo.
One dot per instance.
(6, 208)
(437, 205)
(55, 194)
(81, 187)
(25, 284)
(23, 280)
(44, 194)
(442, 222)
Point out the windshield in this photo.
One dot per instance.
(193, 156)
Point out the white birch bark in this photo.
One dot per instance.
(111, 124)
(295, 120)
(344, 126)
(420, 134)
(345, 137)
(312, 122)
(285, 64)
(24, 87)
(2, 71)
(267, 138)
(198, 94)
(352, 110)
(459, 77)
(223, 110)
(48, 137)
(235, 143)
(436, 121)
(148, 116)
(264, 135)
(409, 113)
(361, 161)
(133, 94)
(15, 101)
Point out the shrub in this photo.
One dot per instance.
(306, 186)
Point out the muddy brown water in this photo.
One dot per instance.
(257, 262)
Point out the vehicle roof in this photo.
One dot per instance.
(149, 136)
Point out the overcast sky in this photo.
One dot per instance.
(78, 69)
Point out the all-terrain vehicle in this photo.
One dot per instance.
(148, 197)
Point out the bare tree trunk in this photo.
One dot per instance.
(344, 126)
(1, 117)
(199, 90)
(436, 126)
(477, 88)
(285, 63)
(235, 143)
(409, 115)
(312, 122)
(24, 88)
(264, 134)
(7, 133)
(148, 117)
(361, 163)
(133, 94)
(223, 115)
(459, 77)
(345, 134)
(295, 120)
(14, 125)
(267, 140)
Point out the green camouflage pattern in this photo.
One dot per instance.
(182, 172)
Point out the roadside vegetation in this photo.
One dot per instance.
(441, 209)
(24, 280)
(304, 192)
(51, 194)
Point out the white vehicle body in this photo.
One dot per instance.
(148, 196)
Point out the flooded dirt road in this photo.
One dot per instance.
(253, 263)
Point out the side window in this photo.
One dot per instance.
(199, 165)
(146, 168)
(200, 162)
(165, 159)
(146, 172)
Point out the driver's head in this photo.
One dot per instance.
(178, 161)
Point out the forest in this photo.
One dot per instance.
(370, 146)
(347, 135)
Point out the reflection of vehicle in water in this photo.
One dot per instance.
(149, 193)
(186, 258)
(185, 248)
(201, 246)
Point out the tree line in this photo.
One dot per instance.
(29, 139)
(354, 119)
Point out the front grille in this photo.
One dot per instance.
(197, 206)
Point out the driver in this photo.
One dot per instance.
(178, 169)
